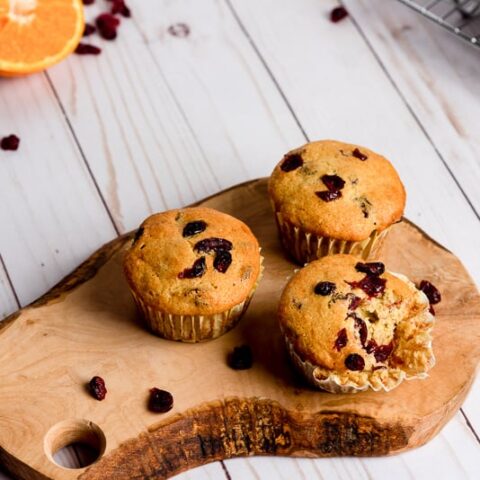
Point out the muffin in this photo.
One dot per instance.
(332, 197)
(350, 326)
(192, 272)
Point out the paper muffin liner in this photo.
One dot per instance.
(305, 246)
(194, 328)
(388, 380)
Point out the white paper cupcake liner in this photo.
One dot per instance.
(194, 328)
(305, 246)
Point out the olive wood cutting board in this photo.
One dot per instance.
(87, 325)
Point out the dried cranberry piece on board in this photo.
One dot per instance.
(160, 401)
(241, 358)
(97, 388)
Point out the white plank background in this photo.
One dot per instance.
(159, 121)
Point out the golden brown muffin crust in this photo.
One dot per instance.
(160, 253)
(372, 198)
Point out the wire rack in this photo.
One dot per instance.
(461, 17)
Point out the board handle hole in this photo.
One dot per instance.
(74, 443)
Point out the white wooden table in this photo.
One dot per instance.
(158, 121)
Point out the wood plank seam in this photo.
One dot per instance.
(81, 151)
(267, 68)
(10, 283)
(412, 112)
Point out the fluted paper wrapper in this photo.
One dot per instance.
(305, 246)
(194, 328)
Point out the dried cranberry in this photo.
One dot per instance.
(324, 288)
(337, 14)
(333, 182)
(97, 388)
(291, 162)
(355, 362)
(119, 6)
(181, 30)
(10, 143)
(430, 291)
(88, 2)
(160, 401)
(197, 270)
(208, 244)
(372, 286)
(328, 196)
(373, 268)
(241, 358)
(370, 346)
(86, 49)
(382, 352)
(358, 154)
(354, 302)
(89, 29)
(431, 309)
(222, 261)
(107, 26)
(361, 326)
(341, 340)
(192, 228)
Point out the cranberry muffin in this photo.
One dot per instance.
(332, 197)
(350, 326)
(192, 272)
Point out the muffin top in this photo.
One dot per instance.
(193, 261)
(357, 322)
(337, 190)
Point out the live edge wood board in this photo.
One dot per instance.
(87, 325)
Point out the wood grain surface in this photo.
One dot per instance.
(88, 325)
(157, 121)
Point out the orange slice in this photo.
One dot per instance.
(35, 34)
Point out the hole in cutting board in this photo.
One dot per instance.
(74, 443)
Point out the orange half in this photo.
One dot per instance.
(35, 34)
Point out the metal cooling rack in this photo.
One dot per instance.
(461, 17)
